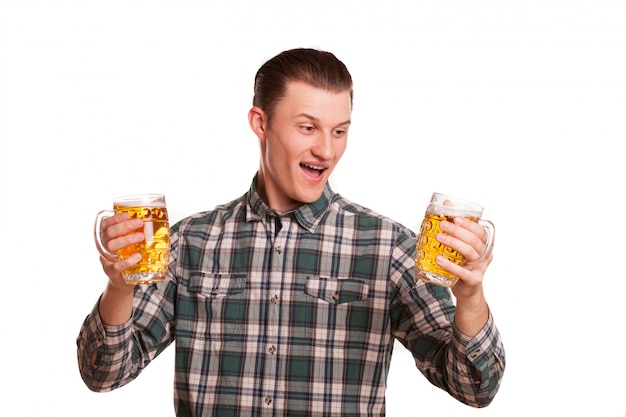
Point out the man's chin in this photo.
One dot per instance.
(311, 196)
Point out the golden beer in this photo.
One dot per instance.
(443, 207)
(155, 249)
(428, 248)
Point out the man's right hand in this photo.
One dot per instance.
(118, 232)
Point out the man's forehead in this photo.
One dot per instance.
(296, 85)
(300, 96)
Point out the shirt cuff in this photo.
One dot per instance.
(483, 349)
(103, 337)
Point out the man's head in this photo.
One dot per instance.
(301, 114)
(316, 68)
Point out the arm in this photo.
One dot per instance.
(457, 349)
(472, 318)
(470, 369)
(129, 325)
(111, 356)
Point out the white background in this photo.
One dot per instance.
(516, 105)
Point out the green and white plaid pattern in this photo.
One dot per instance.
(291, 314)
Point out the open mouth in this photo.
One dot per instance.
(313, 170)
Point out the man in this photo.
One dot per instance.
(287, 301)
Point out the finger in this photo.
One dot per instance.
(459, 271)
(108, 256)
(118, 230)
(125, 240)
(117, 218)
(462, 238)
(114, 269)
(472, 227)
(469, 252)
(118, 225)
(485, 231)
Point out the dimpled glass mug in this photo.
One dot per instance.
(155, 249)
(443, 207)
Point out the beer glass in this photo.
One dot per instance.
(444, 207)
(154, 250)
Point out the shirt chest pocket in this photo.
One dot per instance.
(338, 312)
(221, 303)
(336, 291)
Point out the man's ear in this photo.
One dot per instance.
(257, 120)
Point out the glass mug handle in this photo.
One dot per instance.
(97, 235)
(491, 231)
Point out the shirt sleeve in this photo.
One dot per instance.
(112, 356)
(422, 316)
(484, 359)
(103, 352)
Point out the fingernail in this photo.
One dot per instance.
(459, 220)
(445, 225)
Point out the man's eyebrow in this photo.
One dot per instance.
(315, 119)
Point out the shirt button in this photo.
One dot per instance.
(279, 249)
(274, 299)
(272, 349)
(268, 400)
(215, 291)
(474, 354)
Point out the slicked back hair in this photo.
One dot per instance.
(319, 69)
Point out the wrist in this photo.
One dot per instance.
(116, 303)
(471, 314)
(119, 289)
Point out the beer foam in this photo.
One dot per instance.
(453, 211)
(139, 200)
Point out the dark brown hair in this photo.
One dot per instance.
(317, 68)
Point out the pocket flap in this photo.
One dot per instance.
(216, 285)
(337, 291)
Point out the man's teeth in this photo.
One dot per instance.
(314, 167)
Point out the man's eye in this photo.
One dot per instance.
(307, 128)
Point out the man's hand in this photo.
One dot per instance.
(119, 231)
(470, 239)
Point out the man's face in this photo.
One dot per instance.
(302, 144)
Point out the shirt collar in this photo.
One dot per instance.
(308, 215)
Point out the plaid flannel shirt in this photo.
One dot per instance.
(291, 314)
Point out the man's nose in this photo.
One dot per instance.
(324, 146)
